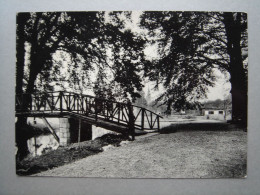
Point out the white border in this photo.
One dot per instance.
(12, 184)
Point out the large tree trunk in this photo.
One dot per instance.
(20, 53)
(20, 134)
(21, 137)
(20, 50)
(238, 76)
(23, 131)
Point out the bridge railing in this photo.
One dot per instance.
(88, 106)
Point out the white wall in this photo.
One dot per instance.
(215, 114)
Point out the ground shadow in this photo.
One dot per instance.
(201, 127)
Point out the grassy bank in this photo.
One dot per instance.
(65, 155)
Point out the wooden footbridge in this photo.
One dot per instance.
(120, 117)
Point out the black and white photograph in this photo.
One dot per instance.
(131, 94)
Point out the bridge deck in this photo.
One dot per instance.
(99, 122)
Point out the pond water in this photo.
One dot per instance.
(41, 144)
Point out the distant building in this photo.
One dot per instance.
(213, 113)
(217, 109)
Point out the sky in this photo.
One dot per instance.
(222, 88)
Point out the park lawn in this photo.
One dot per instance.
(186, 152)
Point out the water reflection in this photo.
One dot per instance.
(41, 144)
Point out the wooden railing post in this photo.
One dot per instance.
(77, 104)
(119, 107)
(61, 101)
(96, 109)
(142, 119)
(69, 103)
(158, 122)
(151, 115)
(87, 107)
(106, 107)
(82, 104)
(52, 103)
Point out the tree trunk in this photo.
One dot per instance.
(20, 53)
(238, 76)
(20, 50)
(21, 137)
(20, 134)
(23, 131)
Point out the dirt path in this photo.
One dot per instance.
(196, 154)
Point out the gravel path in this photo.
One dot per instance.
(196, 154)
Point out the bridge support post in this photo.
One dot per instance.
(79, 132)
(73, 130)
(64, 131)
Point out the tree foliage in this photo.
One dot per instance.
(182, 68)
(190, 46)
(127, 55)
(47, 33)
(83, 40)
